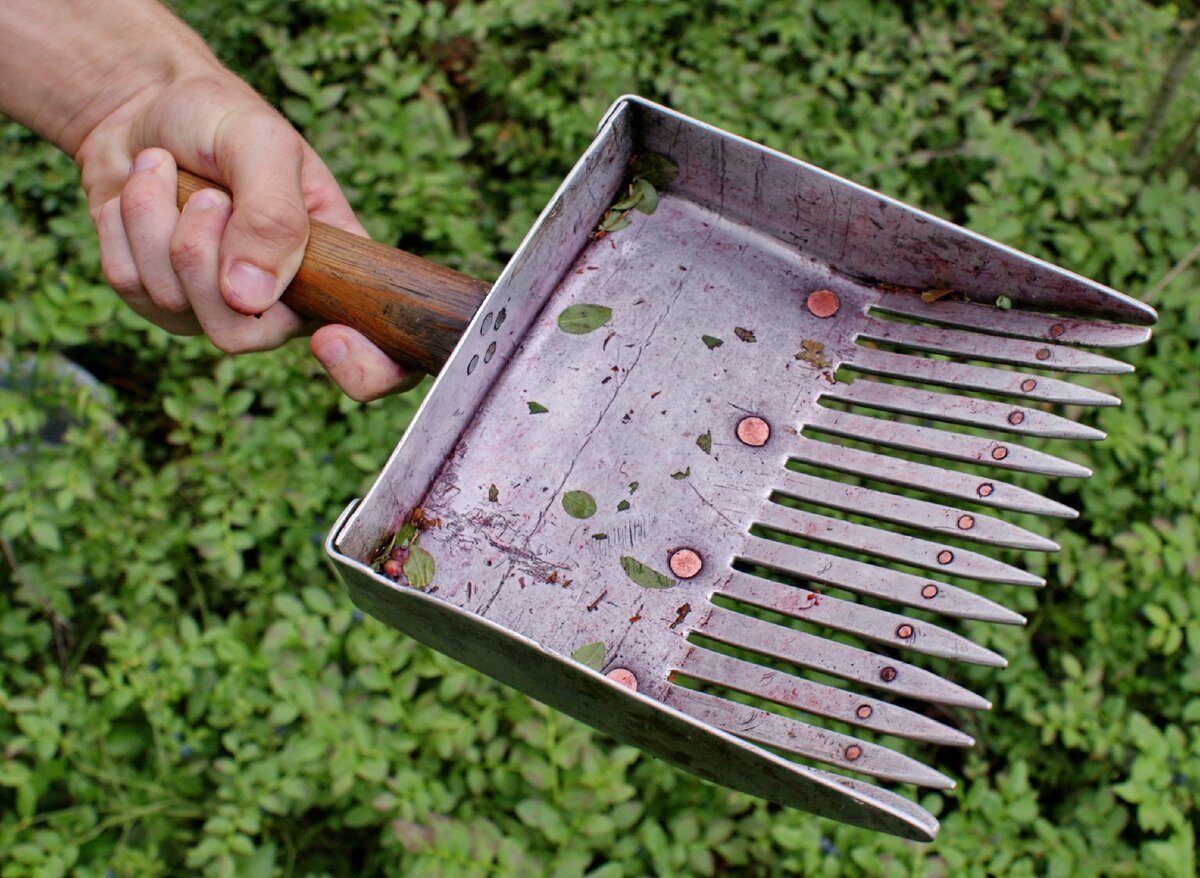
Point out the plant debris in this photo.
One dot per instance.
(648, 173)
(813, 353)
(591, 654)
(536, 408)
(1004, 302)
(712, 341)
(579, 504)
(622, 506)
(681, 613)
(704, 441)
(934, 295)
(682, 474)
(644, 576)
(493, 494)
(584, 318)
(599, 536)
(633, 486)
(745, 335)
(591, 608)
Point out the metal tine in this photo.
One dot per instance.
(894, 546)
(988, 379)
(939, 406)
(818, 699)
(1023, 324)
(891, 629)
(906, 510)
(881, 582)
(944, 443)
(829, 656)
(976, 346)
(763, 727)
(923, 477)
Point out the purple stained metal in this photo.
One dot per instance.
(738, 350)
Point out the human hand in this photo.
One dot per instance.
(129, 90)
(219, 264)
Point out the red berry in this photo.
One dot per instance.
(392, 568)
(399, 553)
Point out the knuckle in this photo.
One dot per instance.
(187, 253)
(277, 221)
(122, 278)
(136, 201)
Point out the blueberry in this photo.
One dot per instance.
(185, 751)
(356, 616)
(828, 847)
(153, 666)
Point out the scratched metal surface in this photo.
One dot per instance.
(735, 250)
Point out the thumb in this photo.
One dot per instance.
(266, 234)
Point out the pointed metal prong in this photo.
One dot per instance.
(944, 443)
(923, 477)
(831, 657)
(891, 629)
(881, 582)
(1022, 324)
(989, 379)
(802, 739)
(894, 546)
(818, 698)
(911, 512)
(976, 346)
(968, 410)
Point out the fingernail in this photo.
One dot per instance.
(253, 288)
(147, 160)
(205, 199)
(333, 353)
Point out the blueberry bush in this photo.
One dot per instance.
(185, 689)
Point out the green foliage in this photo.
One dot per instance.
(184, 687)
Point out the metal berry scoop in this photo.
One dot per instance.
(689, 473)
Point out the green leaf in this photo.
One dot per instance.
(579, 504)
(536, 408)
(599, 536)
(419, 567)
(622, 506)
(647, 201)
(582, 319)
(682, 474)
(712, 341)
(704, 440)
(591, 654)
(1004, 302)
(633, 486)
(633, 194)
(613, 221)
(645, 576)
(655, 168)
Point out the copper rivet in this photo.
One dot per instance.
(966, 522)
(945, 556)
(999, 452)
(624, 677)
(1028, 385)
(864, 711)
(823, 303)
(985, 490)
(904, 632)
(929, 591)
(887, 674)
(753, 431)
(853, 752)
(1056, 330)
(685, 563)
(1043, 353)
(1016, 418)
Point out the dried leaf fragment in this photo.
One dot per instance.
(622, 506)
(493, 494)
(712, 341)
(704, 441)
(745, 335)
(682, 474)
(934, 295)
(813, 353)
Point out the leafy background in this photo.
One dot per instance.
(184, 686)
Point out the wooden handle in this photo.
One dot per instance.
(413, 309)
